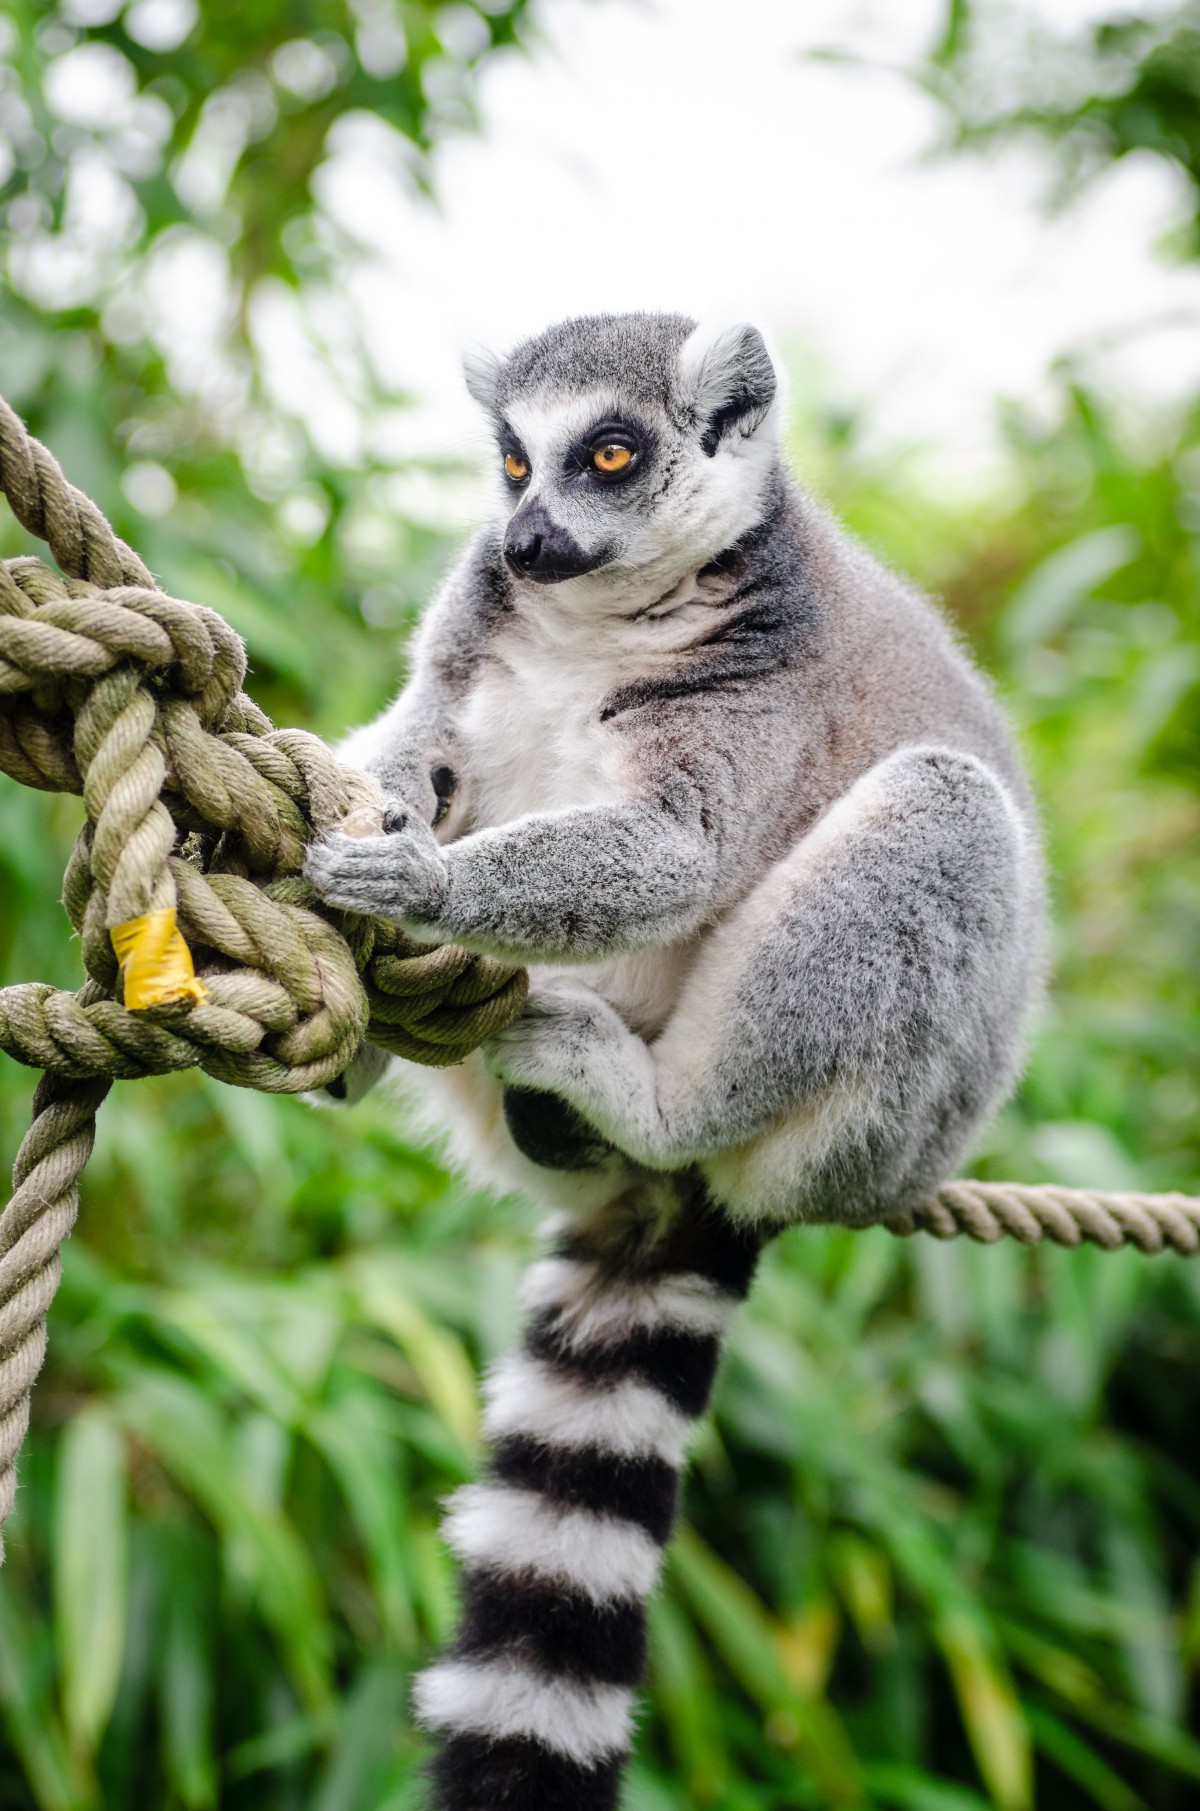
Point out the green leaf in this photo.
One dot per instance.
(913, 1789)
(1046, 600)
(991, 1711)
(237, 1351)
(59, 1779)
(864, 1579)
(261, 1546)
(742, 1633)
(365, 1464)
(365, 1742)
(689, 1701)
(1072, 1756)
(437, 1358)
(186, 1696)
(90, 1572)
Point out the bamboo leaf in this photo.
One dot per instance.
(991, 1711)
(365, 1741)
(864, 1578)
(1072, 1756)
(237, 1352)
(186, 1698)
(190, 1440)
(365, 1465)
(58, 1779)
(437, 1358)
(912, 1789)
(90, 1572)
(689, 1701)
(743, 1634)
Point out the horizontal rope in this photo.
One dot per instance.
(1033, 1213)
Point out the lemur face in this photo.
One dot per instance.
(630, 447)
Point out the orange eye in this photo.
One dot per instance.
(610, 459)
(516, 467)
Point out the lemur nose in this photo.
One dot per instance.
(539, 549)
(522, 550)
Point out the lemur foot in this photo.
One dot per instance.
(555, 1043)
(404, 875)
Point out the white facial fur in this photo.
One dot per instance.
(669, 519)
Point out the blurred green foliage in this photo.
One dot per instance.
(1126, 83)
(161, 161)
(940, 1550)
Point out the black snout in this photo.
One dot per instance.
(537, 548)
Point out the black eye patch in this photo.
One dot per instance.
(610, 452)
(513, 454)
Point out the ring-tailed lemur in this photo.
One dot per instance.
(757, 826)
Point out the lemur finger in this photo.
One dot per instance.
(558, 996)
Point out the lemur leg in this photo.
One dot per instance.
(848, 1026)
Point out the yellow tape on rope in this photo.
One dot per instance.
(156, 963)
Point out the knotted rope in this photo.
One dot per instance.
(197, 813)
(197, 817)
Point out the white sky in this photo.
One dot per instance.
(681, 154)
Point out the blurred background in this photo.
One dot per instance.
(940, 1543)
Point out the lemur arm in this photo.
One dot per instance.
(565, 884)
(412, 748)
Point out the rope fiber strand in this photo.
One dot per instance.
(197, 814)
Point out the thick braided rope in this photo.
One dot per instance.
(113, 690)
(1034, 1214)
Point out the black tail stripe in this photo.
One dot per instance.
(707, 1243)
(701, 1243)
(561, 1632)
(642, 1491)
(478, 1773)
(681, 1366)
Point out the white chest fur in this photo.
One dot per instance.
(532, 735)
(531, 727)
(533, 741)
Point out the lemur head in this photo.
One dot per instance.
(633, 447)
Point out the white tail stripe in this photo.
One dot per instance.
(500, 1698)
(593, 1312)
(629, 1419)
(518, 1531)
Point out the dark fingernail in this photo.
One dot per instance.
(395, 818)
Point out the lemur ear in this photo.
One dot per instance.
(481, 369)
(729, 380)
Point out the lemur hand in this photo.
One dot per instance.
(402, 875)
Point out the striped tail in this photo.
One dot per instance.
(588, 1425)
